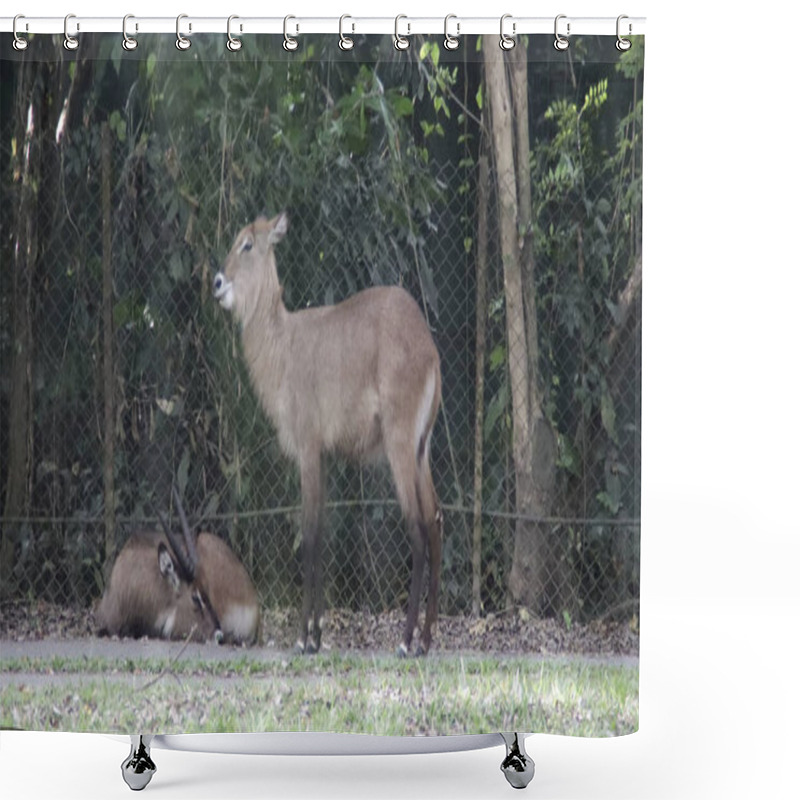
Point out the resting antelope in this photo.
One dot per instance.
(361, 378)
(160, 587)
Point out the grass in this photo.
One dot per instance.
(330, 692)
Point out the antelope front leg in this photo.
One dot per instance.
(310, 634)
(435, 567)
(311, 480)
(138, 768)
(417, 537)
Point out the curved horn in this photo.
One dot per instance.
(188, 535)
(185, 561)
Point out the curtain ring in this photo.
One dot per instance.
(506, 41)
(289, 44)
(128, 42)
(345, 42)
(451, 42)
(19, 43)
(561, 43)
(182, 43)
(233, 44)
(70, 42)
(623, 44)
(400, 42)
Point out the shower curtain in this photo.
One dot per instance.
(496, 185)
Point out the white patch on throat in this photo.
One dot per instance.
(226, 297)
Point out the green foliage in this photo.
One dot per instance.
(586, 201)
(586, 170)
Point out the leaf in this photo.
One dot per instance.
(600, 226)
(479, 97)
(497, 358)
(497, 406)
(212, 505)
(614, 309)
(608, 415)
(568, 456)
(402, 105)
(178, 272)
(166, 406)
(608, 502)
(428, 284)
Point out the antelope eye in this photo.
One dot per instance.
(247, 245)
(198, 601)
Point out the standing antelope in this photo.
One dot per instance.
(161, 588)
(361, 378)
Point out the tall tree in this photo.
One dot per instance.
(27, 113)
(480, 362)
(533, 442)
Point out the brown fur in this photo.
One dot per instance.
(360, 378)
(140, 598)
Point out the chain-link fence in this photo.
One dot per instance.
(174, 405)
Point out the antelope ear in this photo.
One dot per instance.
(167, 567)
(279, 227)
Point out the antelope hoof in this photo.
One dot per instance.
(402, 650)
(299, 648)
(421, 651)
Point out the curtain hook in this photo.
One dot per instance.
(561, 43)
(70, 42)
(623, 44)
(400, 42)
(345, 42)
(19, 42)
(506, 41)
(233, 44)
(451, 42)
(128, 42)
(182, 43)
(289, 43)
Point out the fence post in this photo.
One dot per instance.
(480, 358)
(108, 351)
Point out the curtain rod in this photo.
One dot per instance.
(297, 25)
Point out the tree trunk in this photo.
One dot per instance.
(480, 362)
(544, 440)
(627, 297)
(534, 448)
(27, 173)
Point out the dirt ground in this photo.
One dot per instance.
(513, 633)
